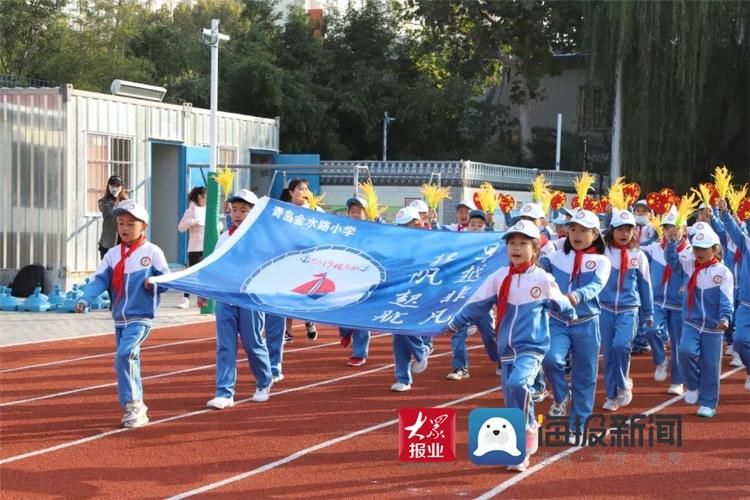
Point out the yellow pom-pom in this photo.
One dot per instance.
(539, 188)
(225, 179)
(373, 210)
(434, 194)
(313, 202)
(656, 224)
(722, 181)
(687, 205)
(487, 198)
(582, 184)
(735, 196)
(617, 196)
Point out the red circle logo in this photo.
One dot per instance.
(700, 236)
(634, 262)
(590, 264)
(146, 261)
(535, 292)
(718, 279)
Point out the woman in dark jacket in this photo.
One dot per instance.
(114, 195)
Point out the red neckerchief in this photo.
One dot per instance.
(118, 275)
(668, 270)
(543, 240)
(502, 296)
(624, 261)
(694, 279)
(232, 230)
(578, 261)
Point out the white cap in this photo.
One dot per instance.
(702, 206)
(643, 203)
(525, 227)
(705, 238)
(532, 210)
(130, 207)
(698, 226)
(357, 200)
(670, 217)
(560, 220)
(420, 205)
(585, 218)
(466, 203)
(406, 215)
(622, 218)
(244, 195)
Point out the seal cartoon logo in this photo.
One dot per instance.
(497, 436)
(315, 279)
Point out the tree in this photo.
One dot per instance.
(482, 38)
(684, 79)
(24, 27)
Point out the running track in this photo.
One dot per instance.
(328, 430)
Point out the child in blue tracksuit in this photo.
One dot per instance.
(359, 339)
(410, 352)
(742, 316)
(645, 236)
(460, 362)
(125, 271)
(627, 294)
(707, 311)
(522, 291)
(232, 321)
(581, 271)
(668, 292)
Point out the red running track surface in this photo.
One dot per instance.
(328, 431)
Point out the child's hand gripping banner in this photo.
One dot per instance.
(295, 262)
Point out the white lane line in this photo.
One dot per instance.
(151, 377)
(103, 355)
(110, 332)
(96, 437)
(325, 444)
(575, 449)
(156, 346)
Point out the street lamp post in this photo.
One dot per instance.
(386, 121)
(212, 37)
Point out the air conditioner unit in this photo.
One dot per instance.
(138, 90)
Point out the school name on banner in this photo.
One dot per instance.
(295, 262)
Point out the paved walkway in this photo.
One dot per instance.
(26, 327)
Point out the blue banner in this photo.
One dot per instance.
(295, 262)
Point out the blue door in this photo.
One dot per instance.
(194, 162)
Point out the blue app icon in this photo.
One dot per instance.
(497, 436)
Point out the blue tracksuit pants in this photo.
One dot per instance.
(360, 341)
(458, 344)
(618, 331)
(275, 328)
(518, 377)
(670, 321)
(582, 340)
(742, 334)
(404, 348)
(128, 340)
(700, 358)
(230, 322)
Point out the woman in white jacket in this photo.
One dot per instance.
(193, 221)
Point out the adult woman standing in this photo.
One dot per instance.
(194, 222)
(114, 195)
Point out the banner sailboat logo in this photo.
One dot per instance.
(295, 262)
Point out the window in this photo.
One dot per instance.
(106, 156)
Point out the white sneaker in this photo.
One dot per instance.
(520, 467)
(610, 404)
(278, 378)
(135, 414)
(675, 389)
(184, 303)
(730, 350)
(747, 384)
(691, 397)
(417, 367)
(736, 361)
(624, 397)
(559, 409)
(220, 403)
(399, 387)
(660, 374)
(499, 370)
(706, 412)
(458, 374)
(629, 384)
(261, 395)
(471, 330)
